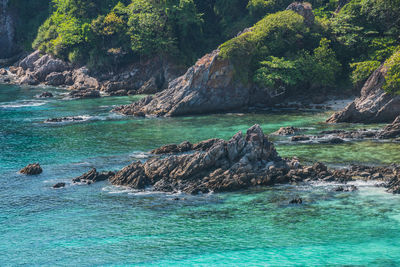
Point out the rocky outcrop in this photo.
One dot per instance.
(32, 169)
(225, 166)
(93, 176)
(146, 77)
(208, 86)
(373, 106)
(391, 131)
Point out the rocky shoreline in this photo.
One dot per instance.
(244, 161)
(390, 131)
(148, 77)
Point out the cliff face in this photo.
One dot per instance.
(373, 106)
(7, 48)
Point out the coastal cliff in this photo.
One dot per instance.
(6, 32)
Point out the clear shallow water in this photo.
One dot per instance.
(103, 225)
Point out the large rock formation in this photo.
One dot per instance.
(373, 106)
(208, 86)
(226, 165)
(7, 46)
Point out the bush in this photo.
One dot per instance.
(362, 71)
(392, 84)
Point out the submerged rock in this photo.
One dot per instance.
(344, 188)
(373, 106)
(84, 93)
(64, 119)
(46, 95)
(298, 138)
(32, 169)
(93, 176)
(296, 201)
(285, 131)
(59, 185)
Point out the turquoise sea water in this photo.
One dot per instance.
(105, 225)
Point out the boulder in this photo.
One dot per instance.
(373, 106)
(55, 79)
(93, 176)
(46, 65)
(32, 169)
(28, 79)
(3, 71)
(285, 131)
(28, 62)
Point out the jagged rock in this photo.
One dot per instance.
(149, 87)
(84, 93)
(28, 62)
(59, 185)
(296, 201)
(373, 106)
(298, 138)
(305, 10)
(285, 131)
(32, 169)
(225, 166)
(93, 176)
(46, 65)
(82, 80)
(167, 149)
(3, 71)
(46, 95)
(55, 79)
(28, 79)
(208, 86)
(392, 130)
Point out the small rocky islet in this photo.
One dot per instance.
(242, 162)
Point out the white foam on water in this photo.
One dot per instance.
(22, 104)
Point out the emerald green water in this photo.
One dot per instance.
(104, 225)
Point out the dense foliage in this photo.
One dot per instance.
(347, 42)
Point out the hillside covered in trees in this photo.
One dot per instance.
(340, 48)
